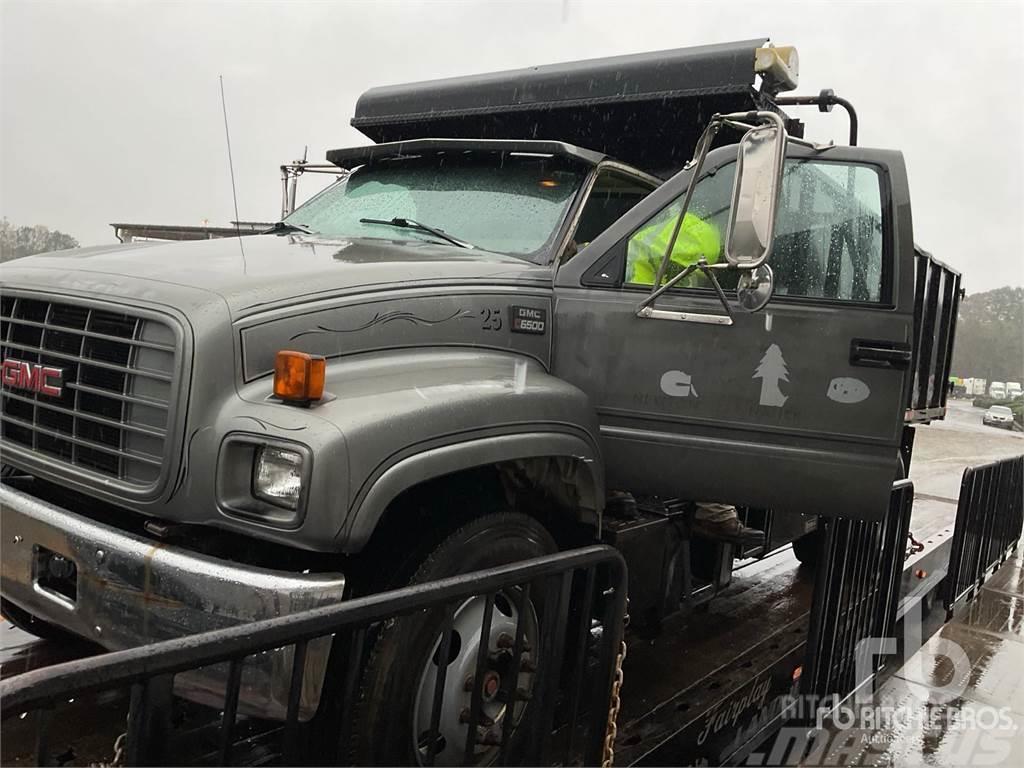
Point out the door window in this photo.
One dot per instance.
(611, 196)
(828, 236)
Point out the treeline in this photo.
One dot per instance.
(990, 336)
(16, 242)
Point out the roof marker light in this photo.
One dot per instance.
(778, 66)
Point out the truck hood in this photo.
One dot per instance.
(258, 272)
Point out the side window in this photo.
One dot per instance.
(828, 236)
(612, 195)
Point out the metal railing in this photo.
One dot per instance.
(856, 596)
(937, 295)
(565, 710)
(989, 518)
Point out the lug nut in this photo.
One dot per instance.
(468, 684)
(485, 722)
(505, 640)
(528, 665)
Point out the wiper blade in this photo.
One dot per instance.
(411, 224)
(282, 227)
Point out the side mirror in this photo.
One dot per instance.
(755, 195)
(754, 288)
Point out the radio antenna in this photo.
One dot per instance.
(231, 168)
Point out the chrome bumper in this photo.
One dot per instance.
(132, 591)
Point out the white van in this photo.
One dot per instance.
(1013, 389)
(997, 390)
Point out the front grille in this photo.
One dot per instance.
(112, 414)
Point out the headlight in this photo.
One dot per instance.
(277, 476)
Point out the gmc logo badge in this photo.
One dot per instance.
(17, 374)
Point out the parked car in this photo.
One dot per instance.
(998, 416)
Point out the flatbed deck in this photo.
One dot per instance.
(745, 648)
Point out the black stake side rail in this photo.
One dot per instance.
(856, 596)
(566, 638)
(989, 518)
(937, 296)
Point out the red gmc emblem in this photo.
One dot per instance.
(18, 374)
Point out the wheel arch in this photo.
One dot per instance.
(564, 466)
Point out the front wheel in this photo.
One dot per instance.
(392, 715)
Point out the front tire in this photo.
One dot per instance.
(393, 710)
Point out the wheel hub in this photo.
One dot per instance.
(464, 647)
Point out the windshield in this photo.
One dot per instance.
(508, 203)
(1000, 410)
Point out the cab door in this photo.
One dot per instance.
(798, 407)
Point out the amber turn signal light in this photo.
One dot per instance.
(298, 377)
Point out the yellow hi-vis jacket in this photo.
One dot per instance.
(647, 248)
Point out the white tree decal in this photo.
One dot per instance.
(771, 371)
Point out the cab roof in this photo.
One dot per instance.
(356, 156)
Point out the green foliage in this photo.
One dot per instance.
(990, 336)
(16, 242)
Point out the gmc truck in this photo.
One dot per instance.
(477, 347)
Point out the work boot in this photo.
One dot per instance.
(620, 504)
(730, 530)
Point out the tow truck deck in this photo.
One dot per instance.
(719, 678)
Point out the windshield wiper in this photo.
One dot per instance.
(282, 227)
(410, 224)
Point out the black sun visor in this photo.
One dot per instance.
(645, 109)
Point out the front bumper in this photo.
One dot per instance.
(998, 422)
(131, 591)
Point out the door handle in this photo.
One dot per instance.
(880, 354)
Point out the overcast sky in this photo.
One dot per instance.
(111, 110)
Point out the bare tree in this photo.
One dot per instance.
(16, 242)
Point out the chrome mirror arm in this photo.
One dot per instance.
(703, 146)
(718, 288)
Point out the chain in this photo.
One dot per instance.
(915, 545)
(612, 728)
(615, 703)
(118, 759)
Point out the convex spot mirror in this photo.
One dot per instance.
(755, 195)
(755, 287)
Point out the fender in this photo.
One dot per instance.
(436, 462)
(428, 412)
